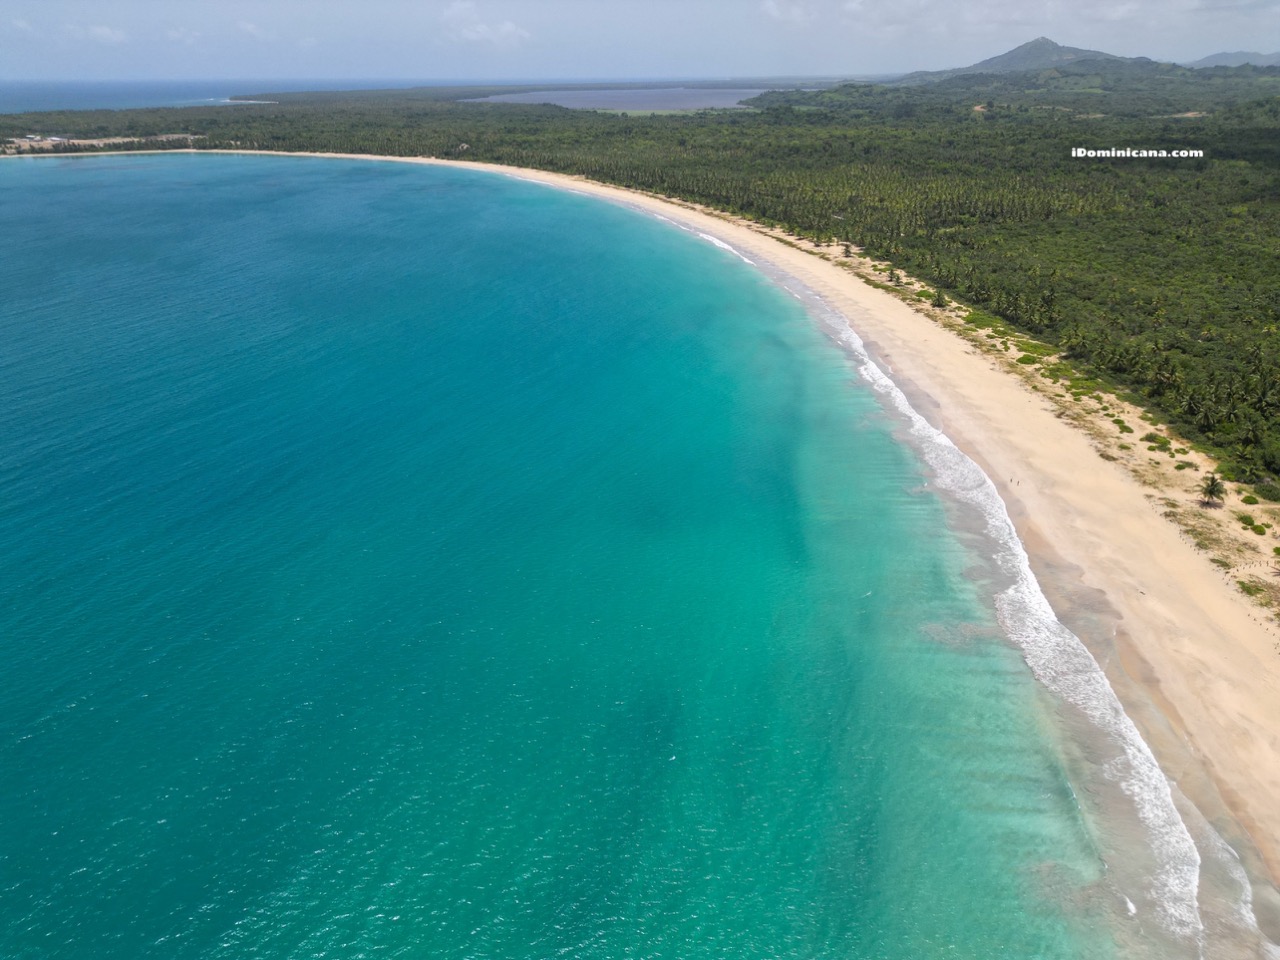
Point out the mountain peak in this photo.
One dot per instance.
(1034, 55)
(1038, 54)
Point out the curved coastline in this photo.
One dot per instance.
(1209, 709)
(1064, 502)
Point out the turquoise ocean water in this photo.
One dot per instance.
(401, 561)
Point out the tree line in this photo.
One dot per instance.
(1159, 276)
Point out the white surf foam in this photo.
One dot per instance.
(1056, 656)
(1062, 663)
(716, 241)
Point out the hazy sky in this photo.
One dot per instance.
(563, 39)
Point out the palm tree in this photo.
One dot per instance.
(1212, 489)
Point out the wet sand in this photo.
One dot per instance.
(1196, 665)
(1190, 657)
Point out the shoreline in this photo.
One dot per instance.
(1080, 518)
(1187, 655)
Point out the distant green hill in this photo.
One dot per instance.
(1038, 54)
(1088, 89)
(1237, 59)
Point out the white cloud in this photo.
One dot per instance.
(1056, 18)
(107, 35)
(882, 20)
(464, 23)
(1121, 11)
(997, 14)
(596, 38)
(182, 35)
(100, 33)
(787, 12)
(253, 30)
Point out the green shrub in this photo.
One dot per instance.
(1027, 358)
(1249, 499)
(1268, 491)
(1271, 454)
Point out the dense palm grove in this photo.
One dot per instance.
(1161, 276)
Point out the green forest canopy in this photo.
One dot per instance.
(1161, 276)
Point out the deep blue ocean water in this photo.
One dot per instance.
(416, 562)
(26, 96)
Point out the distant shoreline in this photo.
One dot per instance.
(1189, 656)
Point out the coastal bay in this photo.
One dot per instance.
(1109, 562)
(1196, 664)
(1195, 648)
(1198, 661)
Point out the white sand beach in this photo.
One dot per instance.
(1186, 643)
(1196, 664)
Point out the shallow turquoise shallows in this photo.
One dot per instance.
(410, 562)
